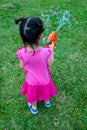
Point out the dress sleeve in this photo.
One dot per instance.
(19, 53)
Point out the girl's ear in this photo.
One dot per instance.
(40, 37)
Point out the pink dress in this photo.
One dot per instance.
(38, 84)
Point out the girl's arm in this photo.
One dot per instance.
(51, 58)
(21, 65)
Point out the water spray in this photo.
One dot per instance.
(52, 36)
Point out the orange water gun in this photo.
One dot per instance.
(51, 39)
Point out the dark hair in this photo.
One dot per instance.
(30, 30)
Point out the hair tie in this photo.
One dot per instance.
(19, 20)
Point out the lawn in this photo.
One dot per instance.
(69, 106)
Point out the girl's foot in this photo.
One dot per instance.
(47, 104)
(33, 110)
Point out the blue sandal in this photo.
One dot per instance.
(33, 111)
(47, 104)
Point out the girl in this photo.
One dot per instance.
(35, 61)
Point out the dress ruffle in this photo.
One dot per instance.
(38, 92)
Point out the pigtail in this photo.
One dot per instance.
(17, 21)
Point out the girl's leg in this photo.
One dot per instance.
(47, 101)
(34, 105)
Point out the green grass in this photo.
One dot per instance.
(69, 106)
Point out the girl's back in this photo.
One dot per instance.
(35, 64)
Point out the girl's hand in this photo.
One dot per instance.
(21, 65)
(51, 46)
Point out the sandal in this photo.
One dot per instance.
(33, 111)
(47, 104)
